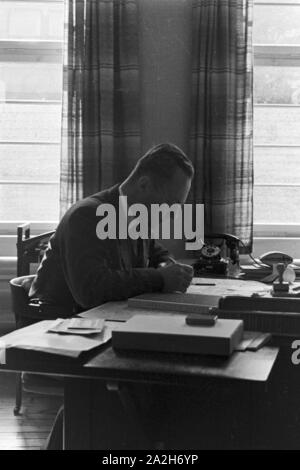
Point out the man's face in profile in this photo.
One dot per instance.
(174, 191)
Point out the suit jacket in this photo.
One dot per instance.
(80, 271)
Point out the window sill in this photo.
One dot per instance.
(284, 238)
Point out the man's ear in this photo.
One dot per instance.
(145, 184)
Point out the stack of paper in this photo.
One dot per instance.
(77, 326)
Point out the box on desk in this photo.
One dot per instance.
(169, 333)
(279, 316)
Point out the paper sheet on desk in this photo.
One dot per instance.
(116, 312)
(36, 338)
(225, 287)
(120, 311)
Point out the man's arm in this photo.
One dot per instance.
(86, 265)
(157, 254)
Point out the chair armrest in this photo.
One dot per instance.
(40, 310)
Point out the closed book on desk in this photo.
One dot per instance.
(169, 333)
(189, 303)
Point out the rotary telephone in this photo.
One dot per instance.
(210, 258)
(213, 259)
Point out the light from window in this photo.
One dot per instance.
(31, 35)
(276, 36)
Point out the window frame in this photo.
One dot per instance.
(286, 235)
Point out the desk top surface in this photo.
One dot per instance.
(182, 369)
(119, 311)
(106, 363)
(109, 364)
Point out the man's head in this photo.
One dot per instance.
(162, 175)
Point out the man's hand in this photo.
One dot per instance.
(177, 277)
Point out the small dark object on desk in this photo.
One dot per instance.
(203, 284)
(280, 285)
(196, 319)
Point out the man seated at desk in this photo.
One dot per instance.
(80, 271)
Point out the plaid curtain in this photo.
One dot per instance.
(101, 115)
(222, 116)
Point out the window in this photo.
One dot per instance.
(276, 36)
(31, 38)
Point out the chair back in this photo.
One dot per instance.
(30, 249)
(19, 288)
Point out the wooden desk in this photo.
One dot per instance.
(85, 383)
(86, 380)
(110, 365)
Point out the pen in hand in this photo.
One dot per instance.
(168, 262)
(176, 276)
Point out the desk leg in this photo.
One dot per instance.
(132, 415)
(94, 417)
(77, 414)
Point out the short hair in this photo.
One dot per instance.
(161, 162)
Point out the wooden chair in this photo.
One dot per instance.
(30, 251)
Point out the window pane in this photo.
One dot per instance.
(276, 85)
(277, 165)
(30, 122)
(31, 20)
(277, 125)
(29, 202)
(274, 205)
(276, 24)
(29, 162)
(36, 77)
(30, 81)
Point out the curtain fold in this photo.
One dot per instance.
(101, 110)
(221, 144)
